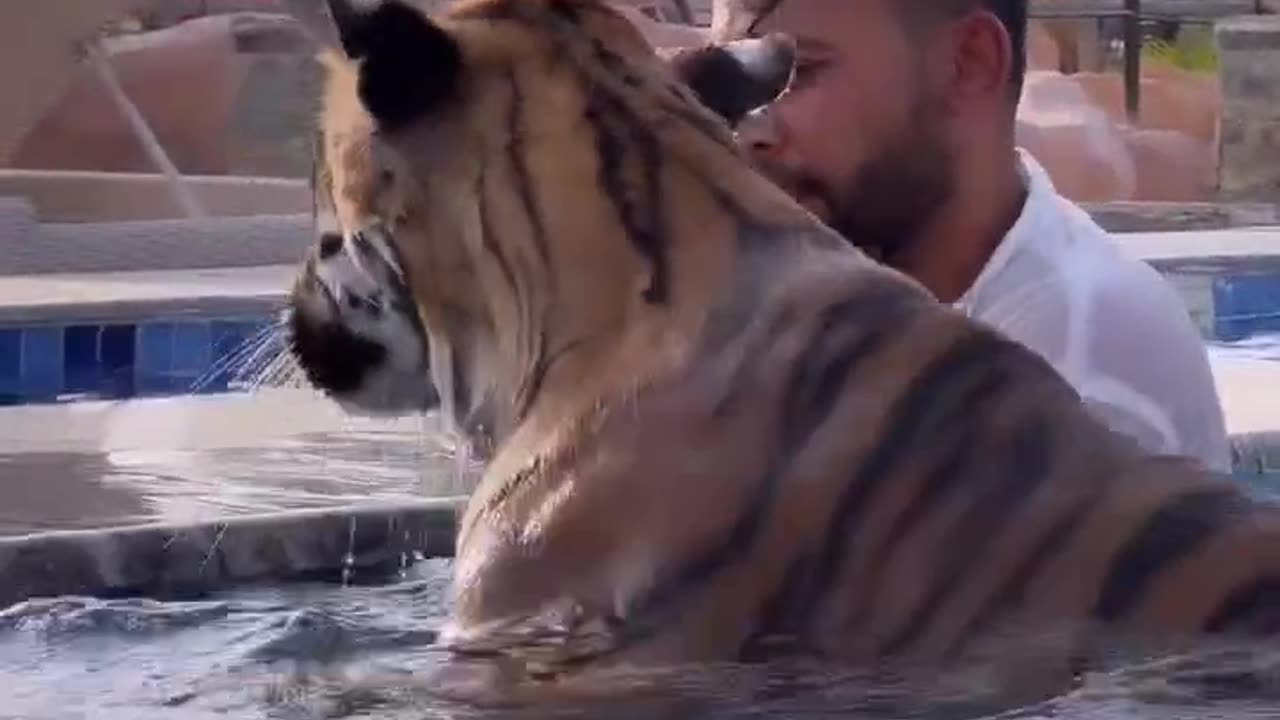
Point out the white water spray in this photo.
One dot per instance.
(349, 560)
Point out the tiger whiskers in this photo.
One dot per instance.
(246, 365)
(267, 362)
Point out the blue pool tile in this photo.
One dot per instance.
(160, 356)
(154, 367)
(191, 345)
(42, 362)
(10, 363)
(10, 354)
(117, 347)
(80, 368)
(192, 350)
(155, 348)
(230, 350)
(1245, 305)
(116, 358)
(81, 346)
(210, 384)
(227, 338)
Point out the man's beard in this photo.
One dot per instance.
(892, 197)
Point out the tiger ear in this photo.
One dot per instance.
(736, 77)
(408, 65)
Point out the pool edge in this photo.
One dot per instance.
(169, 560)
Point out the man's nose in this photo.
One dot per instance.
(758, 134)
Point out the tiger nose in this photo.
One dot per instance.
(330, 245)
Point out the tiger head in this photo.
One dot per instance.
(493, 192)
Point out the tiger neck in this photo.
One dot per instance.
(729, 238)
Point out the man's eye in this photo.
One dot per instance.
(806, 69)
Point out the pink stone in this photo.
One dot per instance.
(1076, 128)
(1170, 99)
(1171, 166)
(1042, 49)
(182, 79)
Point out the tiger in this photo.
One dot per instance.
(712, 429)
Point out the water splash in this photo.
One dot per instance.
(349, 560)
(461, 463)
(406, 557)
(268, 362)
(213, 547)
(247, 364)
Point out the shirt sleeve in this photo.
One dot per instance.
(1146, 371)
(1123, 338)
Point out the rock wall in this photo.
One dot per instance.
(1075, 123)
(234, 94)
(1249, 48)
(38, 55)
(225, 94)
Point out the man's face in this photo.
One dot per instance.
(858, 138)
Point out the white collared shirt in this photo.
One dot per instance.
(1108, 322)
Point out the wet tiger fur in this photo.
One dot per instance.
(713, 429)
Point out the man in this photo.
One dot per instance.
(898, 130)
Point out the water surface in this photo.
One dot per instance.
(312, 652)
(194, 458)
(363, 651)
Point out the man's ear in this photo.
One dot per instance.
(736, 77)
(407, 65)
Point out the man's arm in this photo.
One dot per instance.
(1148, 373)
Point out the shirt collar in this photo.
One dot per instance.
(1040, 201)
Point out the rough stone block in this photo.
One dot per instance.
(1251, 164)
(272, 118)
(1249, 32)
(1251, 76)
(1249, 47)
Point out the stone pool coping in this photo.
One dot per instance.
(103, 297)
(1189, 245)
(1250, 393)
(190, 560)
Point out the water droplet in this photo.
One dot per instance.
(349, 560)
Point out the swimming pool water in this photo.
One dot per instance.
(1232, 299)
(194, 459)
(361, 650)
(312, 651)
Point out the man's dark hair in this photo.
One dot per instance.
(1011, 13)
(739, 17)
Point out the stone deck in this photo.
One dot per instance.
(1202, 244)
(1250, 392)
(98, 297)
(36, 296)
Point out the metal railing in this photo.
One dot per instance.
(1132, 17)
(1132, 14)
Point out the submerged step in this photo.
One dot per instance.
(168, 560)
